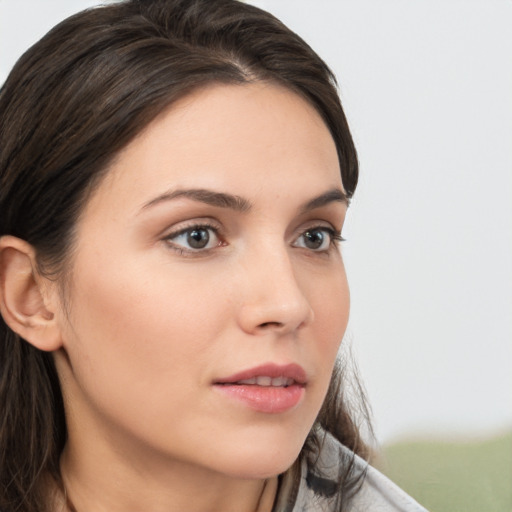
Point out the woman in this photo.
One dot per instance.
(174, 179)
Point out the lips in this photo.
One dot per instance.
(268, 381)
(268, 388)
(268, 375)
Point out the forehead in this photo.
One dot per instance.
(227, 136)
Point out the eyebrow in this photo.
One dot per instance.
(333, 195)
(239, 204)
(206, 196)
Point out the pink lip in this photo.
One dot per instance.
(266, 399)
(290, 371)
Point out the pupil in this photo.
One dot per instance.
(198, 238)
(314, 239)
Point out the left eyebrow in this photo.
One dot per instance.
(332, 195)
(206, 196)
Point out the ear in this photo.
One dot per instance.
(25, 296)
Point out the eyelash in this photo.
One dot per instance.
(334, 235)
(182, 251)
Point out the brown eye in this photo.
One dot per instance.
(314, 239)
(317, 239)
(198, 238)
(195, 238)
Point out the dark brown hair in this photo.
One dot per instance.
(70, 104)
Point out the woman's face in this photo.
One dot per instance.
(206, 268)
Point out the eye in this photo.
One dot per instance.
(318, 239)
(194, 238)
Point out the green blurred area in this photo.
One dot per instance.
(453, 476)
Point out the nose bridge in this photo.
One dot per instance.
(273, 298)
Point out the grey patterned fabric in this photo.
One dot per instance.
(317, 494)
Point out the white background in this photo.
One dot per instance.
(427, 88)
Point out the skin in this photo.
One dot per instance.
(150, 324)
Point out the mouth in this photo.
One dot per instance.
(268, 375)
(268, 388)
(265, 381)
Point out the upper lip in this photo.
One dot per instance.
(290, 371)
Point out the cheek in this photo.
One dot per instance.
(137, 335)
(330, 299)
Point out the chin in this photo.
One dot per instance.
(267, 449)
(260, 461)
(263, 468)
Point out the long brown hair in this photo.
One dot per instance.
(70, 104)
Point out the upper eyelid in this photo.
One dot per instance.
(193, 224)
(335, 233)
(220, 229)
(317, 224)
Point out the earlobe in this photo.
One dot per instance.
(22, 296)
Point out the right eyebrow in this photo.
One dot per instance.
(334, 195)
(210, 197)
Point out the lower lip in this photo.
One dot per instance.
(268, 399)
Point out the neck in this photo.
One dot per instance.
(92, 482)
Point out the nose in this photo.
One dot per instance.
(272, 298)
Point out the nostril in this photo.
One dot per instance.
(270, 324)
